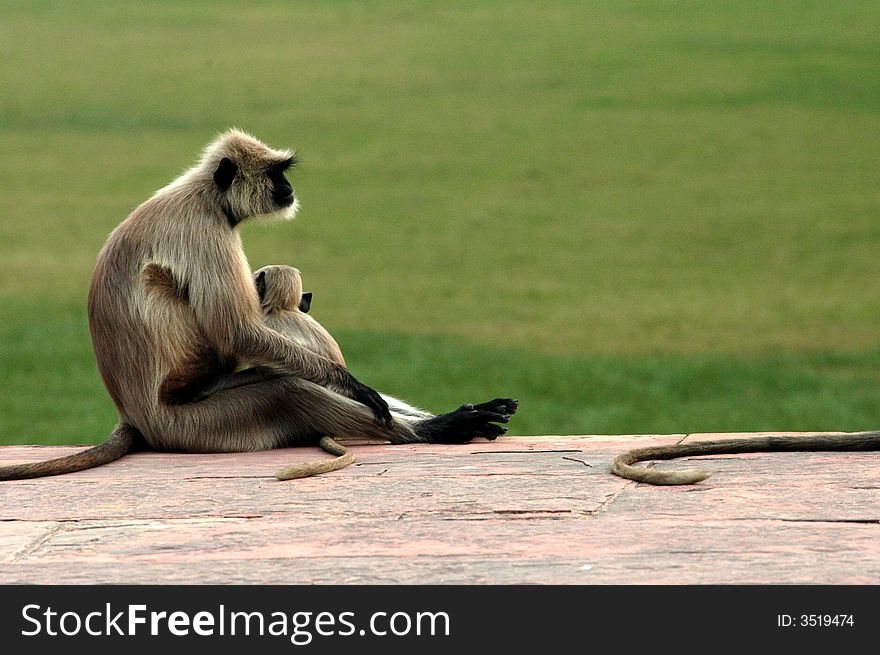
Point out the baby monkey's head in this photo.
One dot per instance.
(280, 287)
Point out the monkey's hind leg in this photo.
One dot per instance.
(307, 469)
(459, 426)
(404, 411)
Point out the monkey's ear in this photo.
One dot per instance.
(261, 285)
(305, 302)
(225, 173)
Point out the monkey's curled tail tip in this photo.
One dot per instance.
(622, 467)
(308, 469)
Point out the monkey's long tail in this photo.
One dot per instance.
(120, 442)
(622, 465)
(307, 469)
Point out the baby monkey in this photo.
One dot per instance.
(285, 309)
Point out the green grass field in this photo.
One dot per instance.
(633, 216)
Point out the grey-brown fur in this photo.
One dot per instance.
(172, 304)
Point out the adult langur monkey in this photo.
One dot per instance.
(622, 465)
(156, 340)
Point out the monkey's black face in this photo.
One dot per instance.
(305, 302)
(282, 192)
(258, 189)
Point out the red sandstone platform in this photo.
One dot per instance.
(519, 510)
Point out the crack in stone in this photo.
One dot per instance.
(522, 452)
(788, 520)
(532, 511)
(523, 515)
(612, 497)
(139, 519)
(227, 477)
(35, 543)
(860, 521)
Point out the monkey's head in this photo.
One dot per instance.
(280, 287)
(248, 178)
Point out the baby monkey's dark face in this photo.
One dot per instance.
(305, 302)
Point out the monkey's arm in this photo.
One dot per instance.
(226, 306)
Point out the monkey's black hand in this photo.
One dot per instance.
(363, 394)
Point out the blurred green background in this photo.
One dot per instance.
(633, 216)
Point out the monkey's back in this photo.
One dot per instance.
(147, 343)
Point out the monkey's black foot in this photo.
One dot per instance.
(468, 422)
